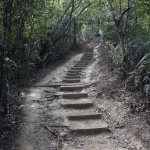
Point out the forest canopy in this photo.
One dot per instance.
(34, 33)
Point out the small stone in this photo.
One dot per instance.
(63, 134)
(79, 146)
(57, 121)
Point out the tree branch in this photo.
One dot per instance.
(78, 5)
(121, 16)
(56, 27)
(68, 25)
(83, 10)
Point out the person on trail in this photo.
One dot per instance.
(98, 37)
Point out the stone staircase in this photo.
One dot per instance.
(74, 97)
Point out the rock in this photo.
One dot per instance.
(63, 134)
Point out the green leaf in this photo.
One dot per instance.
(144, 60)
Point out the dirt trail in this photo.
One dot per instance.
(64, 110)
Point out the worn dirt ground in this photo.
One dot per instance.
(47, 109)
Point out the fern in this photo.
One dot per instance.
(115, 53)
(145, 60)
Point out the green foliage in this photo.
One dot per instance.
(144, 61)
(34, 33)
(125, 28)
(114, 53)
(110, 34)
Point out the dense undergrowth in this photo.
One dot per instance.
(34, 34)
(126, 34)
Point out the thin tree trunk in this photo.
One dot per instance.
(117, 22)
(120, 7)
(2, 73)
(121, 38)
(5, 24)
(75, 33)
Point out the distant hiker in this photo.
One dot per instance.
(98, 37)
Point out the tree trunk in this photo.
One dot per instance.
(117, 22)
(121, 38)
(75, 33)
(5, 25)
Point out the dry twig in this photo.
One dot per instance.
(56, 133)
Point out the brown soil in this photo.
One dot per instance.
(45, 127)
(117, 103)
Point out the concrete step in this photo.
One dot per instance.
(74, 95)
(86, 59)
(77, 105)
(73, 74)
(84, 62)
(89, 127)
(80, 65)
(54, 85)
(90, 55)
(97, 130)
(77, 68)
(84, 116)
(71, 88)
(71, 80)
(74, 71)
(72, 77)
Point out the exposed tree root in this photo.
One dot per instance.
(57, 134)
